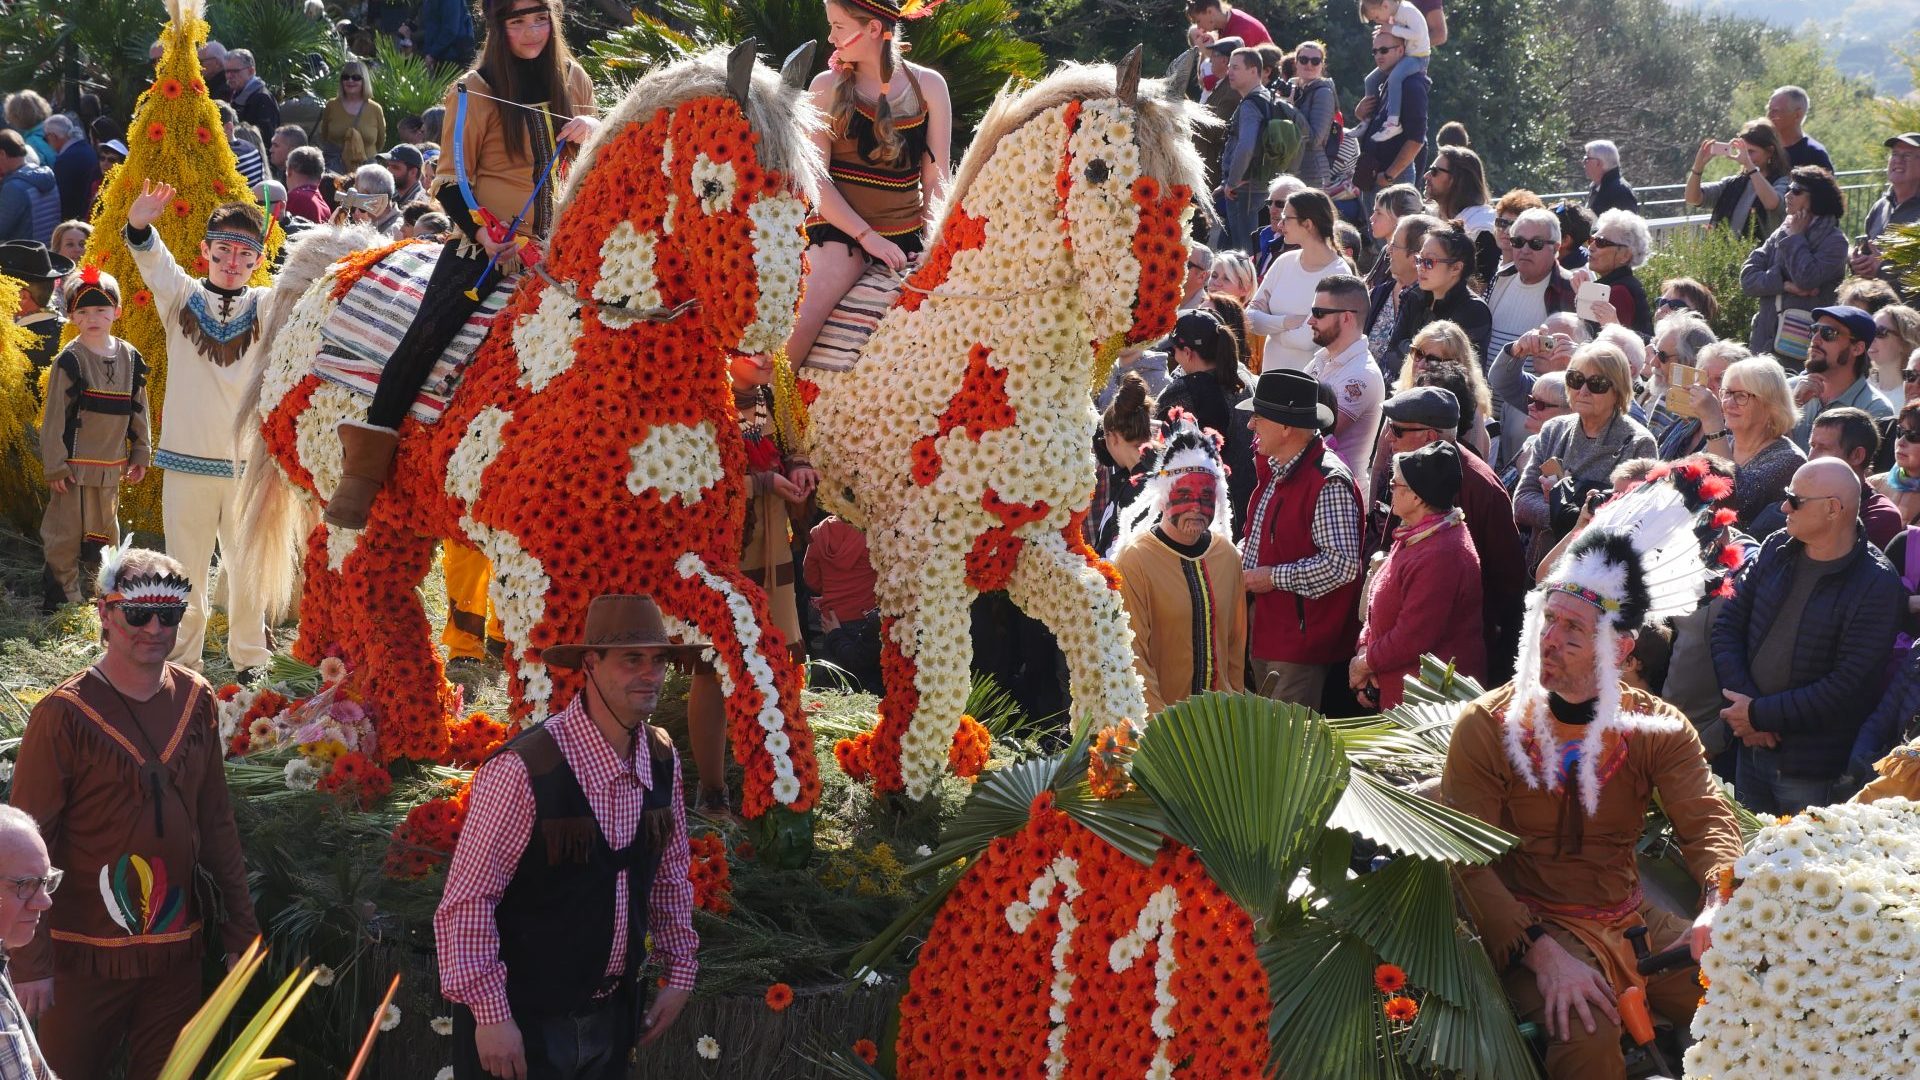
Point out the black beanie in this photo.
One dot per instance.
(1433, 472)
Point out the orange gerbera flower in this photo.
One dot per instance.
(204, 134)
(866, 1051)
(779, 996)
(1389, 978)
(1402, 1009)
(156, 131)
(142, 298)
(170, 88)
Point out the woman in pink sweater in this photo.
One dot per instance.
(1425, 595)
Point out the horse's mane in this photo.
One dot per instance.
(785, 118)
(1165, 128)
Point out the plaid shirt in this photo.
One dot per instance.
(499, 822)
(19, 1056)
(1336, 537)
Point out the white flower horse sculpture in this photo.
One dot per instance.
(592, 446)
(961, 441)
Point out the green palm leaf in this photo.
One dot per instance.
(1404, 911)
(409, 85)
(1478, 1038)
(1247, 783)
(1133, 823)
(280, 36)
(1327, 1019)
(1412, 825)
(1000, 805)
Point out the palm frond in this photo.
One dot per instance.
(408, 85)
(880, 949)
(1477, 1038)
(278, 33)
(1000, 805)
(1247, 783)
(1327, 1020)
(1404, 911)
(1132, 822)
(1411, 825)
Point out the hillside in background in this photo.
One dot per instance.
(1862, 36)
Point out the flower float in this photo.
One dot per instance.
(1813, 959)
(23, 488)
(959, 441)
(176, 122)
(712, 880)
(591, 445)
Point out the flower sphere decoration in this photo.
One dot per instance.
(959, 439)
(168, 113)
(1812, 967)
(591, 445)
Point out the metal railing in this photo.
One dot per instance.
(1665, 205)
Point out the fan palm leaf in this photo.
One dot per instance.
(279, 35)
(102, 44)
(1476, 1038)
(409, 85)
(1411, 825)
(1327, 1021)
(1404, 911)
(1247, 783)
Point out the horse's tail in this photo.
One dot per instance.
(272, 514)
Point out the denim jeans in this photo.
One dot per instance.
(1242, 213)
(1761, 788)
(591, 1043)
(1399, 75)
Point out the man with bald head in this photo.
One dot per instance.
(1801, 647)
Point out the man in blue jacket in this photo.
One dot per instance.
(29, 196)
(1802, 646)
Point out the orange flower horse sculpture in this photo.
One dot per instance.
(592, 445)
(961, 440)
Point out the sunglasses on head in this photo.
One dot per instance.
(140, 616)
(1531, 243)
(1598, 384)
(1795, 502)
(1796, 189)
(1828, 332)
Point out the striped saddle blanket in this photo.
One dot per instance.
(365, 329)
(853, 320)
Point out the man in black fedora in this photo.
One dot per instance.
(1302, 548)
(36, 269)
(544, 924)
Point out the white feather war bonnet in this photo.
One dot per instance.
(1650, 554)
(1187, 449)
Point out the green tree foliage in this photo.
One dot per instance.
(407, 85)
(100, 45)
(1712, 257)
(1844, 118)
(279, 35)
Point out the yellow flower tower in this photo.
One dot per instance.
(23, 491)
(175, 136)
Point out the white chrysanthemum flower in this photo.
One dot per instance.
(446, 1071)
(390, 1018)
(442, 1025)
(707, 1047)
(323, 975)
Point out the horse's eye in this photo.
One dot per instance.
(1098, 171)
(710, 190)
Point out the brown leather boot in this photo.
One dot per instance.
(366, 454)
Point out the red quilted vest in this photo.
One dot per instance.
(1288, 627)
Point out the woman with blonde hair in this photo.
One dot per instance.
(888, 147)
(1896, 339)
(1759, 413)
(1233, 275)
(69, 240)
(27, 113)
(1575, 454)
(352, 126)
(1444, 342)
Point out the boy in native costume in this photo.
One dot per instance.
(121, 766)
(93, 433)
(211, 324)
(1568, 759)
(1180, 575)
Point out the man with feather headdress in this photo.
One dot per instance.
(1569, 759)
(122, 767)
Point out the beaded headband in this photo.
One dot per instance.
(245, 240)
(1605, 604)
(151, 591)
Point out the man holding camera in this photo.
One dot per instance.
(1547, 347)
(1899, 206)
(1837, 369)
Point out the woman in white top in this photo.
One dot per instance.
(1280, 305)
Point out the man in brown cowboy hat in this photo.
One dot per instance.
(37, 270)
(542, 931)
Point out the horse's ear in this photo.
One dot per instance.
(740, 69)
(1126, 82)
(798, 65)
(1180, 74)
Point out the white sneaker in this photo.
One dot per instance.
(1387, 132)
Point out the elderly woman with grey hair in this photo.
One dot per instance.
(371, 200)
(1609, 190)
(1620, 242)
(1801, 264)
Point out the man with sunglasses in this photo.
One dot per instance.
(1344, 363)
(1390, 161)
(1801, 648)
(1516, 367)
(122, 767)
(1533, 285)
(1838, 371)
(27, 882)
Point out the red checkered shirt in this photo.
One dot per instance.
(499, 822)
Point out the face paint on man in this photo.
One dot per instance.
(1190, 504)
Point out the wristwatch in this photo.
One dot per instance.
(1723, 433)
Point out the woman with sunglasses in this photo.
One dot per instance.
(1901, 484)
(1546, 401)
(1751, 201)
(1457, 184)
(1758, 410)
(1400, 278)
(352, 126)
(1280, 306)
(1577, 453)
(1688, 434)
(1444, 345)
(1801, 263)
(1443, 275)
(1895, 341)
(1620, 242)
(1686, 294)
(1318, 100)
